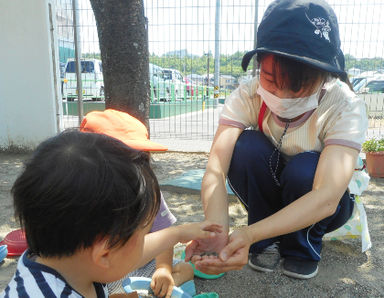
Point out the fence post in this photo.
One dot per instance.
(255, 36)
(76, 33)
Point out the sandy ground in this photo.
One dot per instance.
(344, 270)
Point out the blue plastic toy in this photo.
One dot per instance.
(3, 252)
(186, 290)
(132, 284)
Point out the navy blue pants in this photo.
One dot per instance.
(250, 178)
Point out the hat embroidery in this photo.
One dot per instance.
(322, 27)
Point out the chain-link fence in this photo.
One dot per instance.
(196, 47)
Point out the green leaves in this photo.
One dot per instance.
(188, 64)
(373, 145)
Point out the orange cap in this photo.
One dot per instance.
(121, 126)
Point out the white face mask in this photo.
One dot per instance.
(289, 108)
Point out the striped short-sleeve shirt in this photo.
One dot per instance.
(36, 280)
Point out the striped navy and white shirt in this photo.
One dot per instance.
(37, 280)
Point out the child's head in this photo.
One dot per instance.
(79, 188)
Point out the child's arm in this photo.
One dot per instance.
(162, 281)
(125, 295)
(157, 242)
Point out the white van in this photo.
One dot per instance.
(91, 77)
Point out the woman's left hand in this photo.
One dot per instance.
(232, 257)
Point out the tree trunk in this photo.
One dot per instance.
(123, 39)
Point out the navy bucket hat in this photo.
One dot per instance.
(303, 30)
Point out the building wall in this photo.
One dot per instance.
(228, 82)
(29, 102)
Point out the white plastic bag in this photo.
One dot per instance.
(357, 225)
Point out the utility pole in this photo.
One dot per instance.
(217, 51)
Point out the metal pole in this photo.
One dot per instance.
(255, 36)
(55, 81)
(79, 87)
(207, 89)
(217, 51)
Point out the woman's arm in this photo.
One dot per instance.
(333, 174)
(213, 191)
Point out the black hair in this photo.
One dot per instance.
(295, 75)
(80, 187)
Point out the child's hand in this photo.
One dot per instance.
(162, 283)
(199, 230)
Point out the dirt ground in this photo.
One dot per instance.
(344, 270)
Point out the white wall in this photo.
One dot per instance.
(28, 97)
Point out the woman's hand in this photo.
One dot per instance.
(162, 283)
(232, 257)
(194, 249)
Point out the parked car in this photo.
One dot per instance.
(374, 86)
(158, 84)
(370, 85)
(354, 81)
(91, 78)
(175, 78)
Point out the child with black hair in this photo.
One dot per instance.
(86, 202)
(164, 270)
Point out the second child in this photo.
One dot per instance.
(165, 271)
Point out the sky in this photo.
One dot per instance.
(190, 24)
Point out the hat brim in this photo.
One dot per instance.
(309, 61)
(144, 145)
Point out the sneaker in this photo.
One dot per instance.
(267, 260)
(300, 268)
